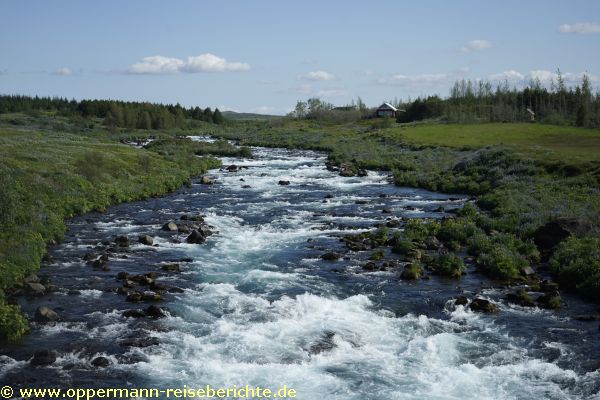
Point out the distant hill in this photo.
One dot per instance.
(247, 116)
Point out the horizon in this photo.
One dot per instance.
(172, 53)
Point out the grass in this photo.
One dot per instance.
(536, 140)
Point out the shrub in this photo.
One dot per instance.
(402, 246)
(377, 255)
(412, 271)
(457, 229)
(449, 265)
(576, 263)
(419, 230)
(501, 263)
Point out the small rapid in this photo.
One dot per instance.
(257, 305)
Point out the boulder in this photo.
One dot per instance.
(139, 342)
(205, 180)
(35, 289)
(283, 183)
(122, 275)
(362, 172)
(146, 239)
(173, 267)
(43, 357)
(122, 241)
(432, 243)
(151, 296)
(461, 301)
(527, 271)
(134, 313)
(100, 362)
(232, 168)
(45, 314)
(134, 297)
(196, 237)
(155, 312)
(170, 226)
(548, 236)
(331, 256)
(386, 210)
(483, 305)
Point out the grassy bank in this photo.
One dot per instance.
(52, 169)
(524, 176)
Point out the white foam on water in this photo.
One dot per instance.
(340, 349)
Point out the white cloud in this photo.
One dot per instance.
(63, 72)
(158, 65)
(476, 45)
(318, 76)
(265, 110)
(511, 76)
(332, 92)
(211, 63)
(581, 28)
(400, 79)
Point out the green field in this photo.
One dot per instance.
(539, 140)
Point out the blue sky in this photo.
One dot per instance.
(263, 56)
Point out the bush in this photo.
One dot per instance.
(458, 229)
(501, 263)
(377, 255)
(576, 263)
(402, 246)
(418, 229)
(449, 265)
(13, 324)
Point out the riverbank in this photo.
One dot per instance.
(53, 169)
(538, 205)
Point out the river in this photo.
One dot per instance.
(260, 307)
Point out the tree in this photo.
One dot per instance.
(217, 117)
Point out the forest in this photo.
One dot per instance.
(114, 114)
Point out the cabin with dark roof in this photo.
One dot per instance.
(386, 110)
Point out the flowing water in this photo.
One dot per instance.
(260, 307)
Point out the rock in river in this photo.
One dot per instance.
(45, 314)
(43, 357)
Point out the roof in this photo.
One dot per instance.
(387, 106)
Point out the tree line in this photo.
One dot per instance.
(114, 114)
(481, 101)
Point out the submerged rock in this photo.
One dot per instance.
(122, 241)
(134, 313)
(331, 256)
(283, 183)
(43, 357)
(100, 362)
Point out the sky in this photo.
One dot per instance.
(264, 56)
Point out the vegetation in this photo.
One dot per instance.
(115, 114)
(49, 175)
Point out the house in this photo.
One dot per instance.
(531, 114)
(386, 110)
